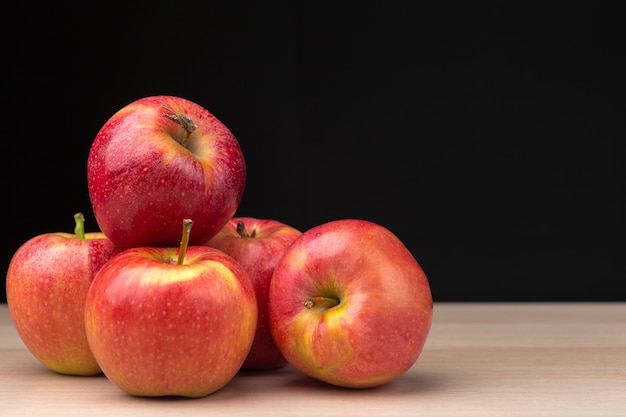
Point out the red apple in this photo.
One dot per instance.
(258, 244)
(349, 304)
(158, 160)
(47, 283)
(171, 322)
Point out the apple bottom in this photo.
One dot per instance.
(264, 354)
(353, 351)
(54, 334)
(179, 351)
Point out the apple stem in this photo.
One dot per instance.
(182, 120)
(323, 302)
(187, 223)
(241, 230)
(79, 229)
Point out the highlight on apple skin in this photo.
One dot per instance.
(171, 322)
(158, 160)
(344, 302)
(258, 244)
(349, 304)
(47, 283)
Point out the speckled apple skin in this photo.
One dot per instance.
(378, 329)
(162, 329)
(142, 182)
(47, 284)
(258, 253)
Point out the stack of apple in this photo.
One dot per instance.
(175, 295)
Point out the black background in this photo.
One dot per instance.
(488, 139)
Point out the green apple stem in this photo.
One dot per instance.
(188, 125)
(241, 230)
(322, 302)
(79, 229)
(187, 223)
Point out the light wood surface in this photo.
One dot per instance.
(480, 359)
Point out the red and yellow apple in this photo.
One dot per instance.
(158, 160)
(171, 322)
(258, 244)
(47, 283)
(349, 304)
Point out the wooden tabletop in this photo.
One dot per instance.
(480, 359)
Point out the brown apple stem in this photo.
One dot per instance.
(241, 230)
(188, 125)
(187, 223)
(79, 229)
(324, 302)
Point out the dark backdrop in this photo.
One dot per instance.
(488, 139)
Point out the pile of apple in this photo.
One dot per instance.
(175, 295)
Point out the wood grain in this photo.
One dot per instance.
(481, 359)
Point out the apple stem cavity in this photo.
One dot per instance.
(187, 223)
(241, 230)
(188, 125)
(79, 228)
(321, 302)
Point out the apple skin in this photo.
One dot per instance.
(258, 253)
(46, 285)
(158, 328)
(378, 328)
(142, 181)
